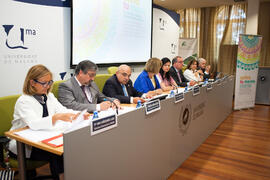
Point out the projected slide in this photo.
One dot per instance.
(111, 31)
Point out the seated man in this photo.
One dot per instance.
(81, 92)
(203, 69)
(120, 86)
(177, 74)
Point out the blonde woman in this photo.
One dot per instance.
(147, 80)
(38, 109)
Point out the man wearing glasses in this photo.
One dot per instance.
(81, 92)
(120, 86)
(177, 74)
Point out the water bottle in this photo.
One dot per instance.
(95, 115)
(186, 89)
(139, 104)
(205, 82)
(172, 93)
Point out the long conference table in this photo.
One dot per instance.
(142, 146)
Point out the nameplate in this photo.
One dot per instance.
(178, 97)
(152, 106)
(209, 87)
(196, 90)
(218, 82)
(103, 124)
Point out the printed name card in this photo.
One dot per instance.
(209, 86)
(196, 90)
(152, 106)
(178, 97)
(103, 124)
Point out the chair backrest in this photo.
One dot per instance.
(55, 87)
(100, 80)
(7, 104)
(112, 69)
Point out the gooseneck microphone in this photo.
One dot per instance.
(116, 107)
(105, 99)
(176, 88)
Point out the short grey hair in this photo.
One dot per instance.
(85, 66)
(200, 60)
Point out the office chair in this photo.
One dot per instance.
(112, 69)
(7, 104)
(100, 80)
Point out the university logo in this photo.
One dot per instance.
(20, 35)
(185, 118)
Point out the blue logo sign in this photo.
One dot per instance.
(22, 32)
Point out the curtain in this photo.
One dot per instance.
(217, 30)
(264, 30)
(234, 24)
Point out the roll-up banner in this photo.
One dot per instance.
(248, 56)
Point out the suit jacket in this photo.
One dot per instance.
(113, 88)
(205, 76)
(144, 84)
(174, 75)
(72, 96)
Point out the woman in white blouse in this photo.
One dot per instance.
(38, 109)
(191, 72)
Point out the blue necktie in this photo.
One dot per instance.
(124, 90)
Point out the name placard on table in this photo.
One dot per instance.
(152, 106)
(178, 97)
(196, 90)
(103, 124)
(209, 87)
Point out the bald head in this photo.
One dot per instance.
(124, 67)
(123, 73)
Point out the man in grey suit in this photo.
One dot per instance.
(81, 92)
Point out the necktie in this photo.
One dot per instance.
(84, 92)
(179, 77)
(124, 90)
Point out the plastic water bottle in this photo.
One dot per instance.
(95, 115)
(186, 89)
(205, 82)
(139, 104)
(172, 93)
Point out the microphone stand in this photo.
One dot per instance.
(106, 99)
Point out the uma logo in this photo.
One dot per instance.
(17, 37)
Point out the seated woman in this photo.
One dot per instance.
(147, 80)
(165, 80)
(191, 72)
(38, 109)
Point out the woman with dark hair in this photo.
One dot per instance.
(191, 72)
(165, 80)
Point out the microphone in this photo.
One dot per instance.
(116, 107)
(176, 88)
(105, 99)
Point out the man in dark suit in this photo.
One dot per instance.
(120, 86)
(177, 74)
(81, 92)
(204, 69)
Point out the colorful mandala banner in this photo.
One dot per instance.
(249, 49)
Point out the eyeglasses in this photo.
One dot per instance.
(126, 75)
(91, 75)
(44, 84)
(180, 62)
